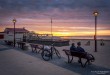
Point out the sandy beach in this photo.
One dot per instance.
(102, 54)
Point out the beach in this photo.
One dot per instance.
(102, 54)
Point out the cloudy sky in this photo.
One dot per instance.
(69, 17)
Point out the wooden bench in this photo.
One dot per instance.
(35, 48)
(21, 45)
(89, 57)
(8, 42)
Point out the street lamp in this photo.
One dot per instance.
(51, 29)
(14, 21)
(95, 13)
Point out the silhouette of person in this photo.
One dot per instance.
(72, 48)
(79, 48)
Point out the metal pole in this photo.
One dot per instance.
(14, 34)
(95, 37)
(51, 29)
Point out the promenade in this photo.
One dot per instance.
(14, 61)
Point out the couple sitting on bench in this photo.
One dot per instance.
(78, 49)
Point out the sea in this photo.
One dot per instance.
(87, 37)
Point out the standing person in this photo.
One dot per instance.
(72, 48)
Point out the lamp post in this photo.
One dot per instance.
(95, 13)
(51, 29)
(14, 22)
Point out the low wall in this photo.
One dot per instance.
(1, 41)
(48, 42)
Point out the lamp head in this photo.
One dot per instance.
(95, 13)
(14, 20)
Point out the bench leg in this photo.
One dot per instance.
(35, 50)
(32, 49)
(70, 60)
(81, 63)
(39, 50)
(84, 65)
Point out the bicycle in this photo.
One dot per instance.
(48, 54)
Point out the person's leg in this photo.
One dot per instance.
(79, 61)
(88, 58)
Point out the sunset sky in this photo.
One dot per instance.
(69, 17)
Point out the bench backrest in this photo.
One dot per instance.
(79, 54)
(33, 45)
(75, 53)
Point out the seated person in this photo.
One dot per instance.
(79, 48)
(72, 48)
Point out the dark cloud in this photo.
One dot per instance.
(39, 5)
(55, 8)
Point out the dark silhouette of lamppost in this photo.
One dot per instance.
(14, 22)
(51, 30)
(95, 13)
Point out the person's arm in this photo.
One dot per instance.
(80, 49)
(83, 50)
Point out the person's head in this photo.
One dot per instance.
(72, 44)
(79, 43)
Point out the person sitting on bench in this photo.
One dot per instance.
(79, 48)
(72, 48)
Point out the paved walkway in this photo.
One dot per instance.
(13, 62)
(18, 62)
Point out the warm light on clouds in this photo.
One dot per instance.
(69, 17)
(80, 33)
(61, 33)
(103, 32)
